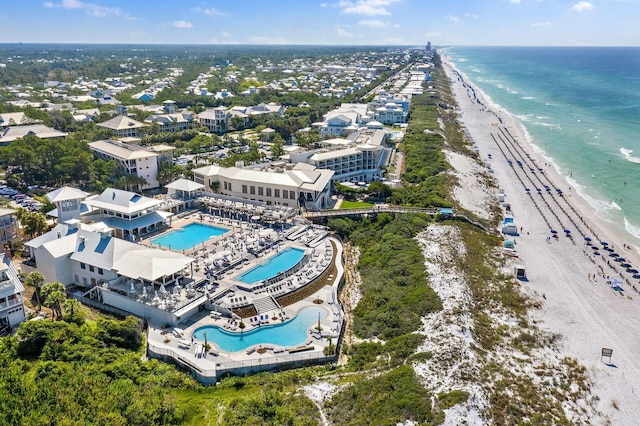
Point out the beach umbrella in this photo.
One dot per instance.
(604, 243)
(594, 247)
(636, 276)
(626, 265)
(587, 239)
(632, 271)
(613, 254)
(621, 259)
(566, 231)
(553, 231)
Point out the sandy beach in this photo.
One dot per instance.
(572, 279)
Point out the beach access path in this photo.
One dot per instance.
(578, 302)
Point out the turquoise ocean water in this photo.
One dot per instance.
(581, 107)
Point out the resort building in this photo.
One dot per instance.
(123, 126)
(11, 307)
(300, 185)
(361, 157)
(344, 120)
(172, 120)
(131, 159)
(215, 119)
(41, 131)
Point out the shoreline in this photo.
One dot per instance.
(576, 302)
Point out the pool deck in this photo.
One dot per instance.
(243, 252)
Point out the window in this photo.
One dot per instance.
(268, 192)
(244, 189)
(260, 190)
(84, 280)
(229, 186)
(225, 184)
(292, 195)
(252, 189)
(276, 193)
(83, 266)
(91, 268)
(76, 279)
(100, 271)
(285, 193)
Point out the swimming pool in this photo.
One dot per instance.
(281, 262)
(189, 236)
(290, 333)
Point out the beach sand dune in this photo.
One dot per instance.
(579, 302)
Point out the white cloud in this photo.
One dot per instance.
(212, 11)
(582, 6)
(374, 23)
(454, 19)
(342, 33)
(365, 7)
(90, 9)
(182, 24)
(471, 15)
(226, 34)
(541, 24)
(267, 40)
(324, 4)
(515, 1)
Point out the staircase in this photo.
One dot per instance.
(266, 304)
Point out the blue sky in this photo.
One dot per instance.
(351, 22)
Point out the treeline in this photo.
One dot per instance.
(89, 373)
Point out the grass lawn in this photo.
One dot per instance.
(355, 205)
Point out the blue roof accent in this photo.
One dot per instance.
(102, 245)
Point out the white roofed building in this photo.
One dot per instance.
(215, 119)
(300, 185)
(131, 159)
(41, 131)
(359, 158)
(123, 126)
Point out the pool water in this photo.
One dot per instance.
(189, 236)
(281, 262)
(290, 333)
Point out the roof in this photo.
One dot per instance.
(6, 212)
(58, 231)
(15, 119)
(138, 222)
(13, 284)
(121, 201)
(10, 134)
(184, 185)
(151, 264)
(122, 122)
(121, 150)
(66, 193)
(301, 176)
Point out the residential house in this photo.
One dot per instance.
(41, 131)
(12, 311)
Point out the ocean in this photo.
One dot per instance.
(580, 107)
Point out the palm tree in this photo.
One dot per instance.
(54, 295)
(36, 279)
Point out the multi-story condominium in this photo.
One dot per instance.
(300, 185)
(131, 159)
(344, 120)
(215, 119)
(123, 126)
(359, 158)
(391, 113)
(172, 120)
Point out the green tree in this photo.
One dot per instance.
(36, 279)
(54, 295)
(33, 223)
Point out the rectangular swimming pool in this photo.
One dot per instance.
(279, 263)
(189, 236)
